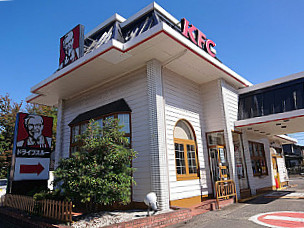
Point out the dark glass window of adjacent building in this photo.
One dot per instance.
(279, 98)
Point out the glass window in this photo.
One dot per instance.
(185, 151)
(124, 119)
(215, 138)
(100, 122)
(258, 159)
(251, 149)
(268, 105)
(258, 105)
(191, 159)
(75, 132)
(183, 131)
(180, 159)
(83, 127)
(275, 99)
(110, 117)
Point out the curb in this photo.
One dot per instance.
(161, 220)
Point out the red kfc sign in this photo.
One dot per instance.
(197, 37)
(34, 131)
(71, 46)
(32, 147)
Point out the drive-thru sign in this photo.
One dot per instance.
(32, 147)
(280, 219)
(31, 169)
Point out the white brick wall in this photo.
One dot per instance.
(133, 88)
(183, 101)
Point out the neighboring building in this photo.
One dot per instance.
(179, 105)
(294, 155)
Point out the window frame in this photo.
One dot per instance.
(103, 117)
(255, 156)
(185, 142)
(212, 145)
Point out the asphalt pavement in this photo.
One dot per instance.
(237, 215)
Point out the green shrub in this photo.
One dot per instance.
(48, 194)
(101, 171)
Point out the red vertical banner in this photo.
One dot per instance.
(71, 46)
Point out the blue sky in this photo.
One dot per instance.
(259, 39)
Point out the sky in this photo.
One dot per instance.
(259, 39)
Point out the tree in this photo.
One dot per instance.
(101, 171)
(8, 112)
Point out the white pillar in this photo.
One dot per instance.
(58, 148)
(158, 151)
(248, 163)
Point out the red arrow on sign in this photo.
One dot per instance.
(31, 168)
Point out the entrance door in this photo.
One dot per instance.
(240, 164)
(218, 164)
(276, 172)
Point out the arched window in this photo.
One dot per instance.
(185, 151)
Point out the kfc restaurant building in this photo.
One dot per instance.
(184, 112)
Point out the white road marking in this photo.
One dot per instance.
(255, 218)
(285, 218)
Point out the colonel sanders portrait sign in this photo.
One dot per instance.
(34, 135)
(71, 46)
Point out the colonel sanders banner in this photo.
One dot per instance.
(71, 46)
(34, 135)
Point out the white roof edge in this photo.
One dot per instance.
(115, 17)
(32, 97)
(147, 9)
(131, 43)
(288, 138)
(268, 118)
(272, 82)
(88, 56)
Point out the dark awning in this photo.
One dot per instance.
(113, 107)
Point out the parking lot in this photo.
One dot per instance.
(237, 215)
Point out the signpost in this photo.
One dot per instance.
(282, 169)
(279, 219)
(31, 153)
